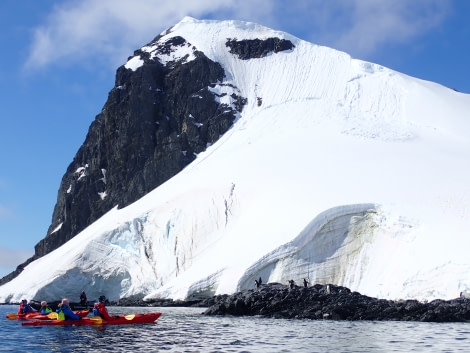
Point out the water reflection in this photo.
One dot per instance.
(186, 330)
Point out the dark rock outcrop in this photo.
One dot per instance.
(257, 48)
(334, 302)
(153, 124)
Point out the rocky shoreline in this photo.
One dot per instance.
(317, 302)
(320, 302)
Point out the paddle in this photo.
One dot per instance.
(12, 316)
(96, 320)
(53, 316)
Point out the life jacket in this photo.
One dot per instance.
(60, 315)
(26, 308)
(46, 310)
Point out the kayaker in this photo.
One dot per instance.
(64, 309)
(83, 298)
(25, 308)
(45, 309)
(102, 309)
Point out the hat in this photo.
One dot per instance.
(102, 298)
(43, 303)
(24, 301)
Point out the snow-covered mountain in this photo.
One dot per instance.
(337, 170)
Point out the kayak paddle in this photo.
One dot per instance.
(97, 320)
(53, 316)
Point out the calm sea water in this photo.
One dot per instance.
(186, 330)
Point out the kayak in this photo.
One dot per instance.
(14, 316)
(97, 320)
(39, 316)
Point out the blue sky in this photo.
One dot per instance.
(59, 60)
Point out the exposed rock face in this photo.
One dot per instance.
(334, 302)
(153, 124)
(257, 48)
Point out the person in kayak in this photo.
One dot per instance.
(103, 311)
(65, 313)
(25, 308)
(83, 298)
(45, 309)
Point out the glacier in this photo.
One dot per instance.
(348, 173)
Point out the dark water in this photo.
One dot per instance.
(186, 330)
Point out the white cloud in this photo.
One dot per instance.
(379, 23)
(107, 31)
(362, 27)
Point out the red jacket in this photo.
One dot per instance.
(104, 312)
(20, 309)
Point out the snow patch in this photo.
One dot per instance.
(134, 63)
(81, 171)
(57, 228)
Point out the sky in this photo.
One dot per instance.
(59, 60)
(360, 180)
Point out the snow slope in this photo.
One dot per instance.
(347, 173)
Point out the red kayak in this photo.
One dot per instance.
(39, 316)
(97, 320)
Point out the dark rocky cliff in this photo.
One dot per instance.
(154, 123)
